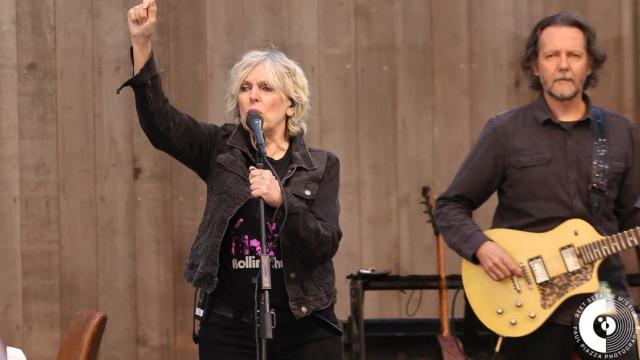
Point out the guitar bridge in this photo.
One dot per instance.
(538, 269)
(525, 274)
(516, 284)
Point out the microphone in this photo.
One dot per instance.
(254, 121)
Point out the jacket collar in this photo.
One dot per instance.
(300, 157)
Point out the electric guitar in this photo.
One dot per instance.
(556, 265)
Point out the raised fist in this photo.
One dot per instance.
(142, 20)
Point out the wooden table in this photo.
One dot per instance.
(359, 283)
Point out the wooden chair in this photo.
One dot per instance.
(82, 339)
(3, 351)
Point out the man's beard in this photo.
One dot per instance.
(562, 96)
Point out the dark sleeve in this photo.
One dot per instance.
(314, 229)
(627, 207)
(478, 177)
(169, 129)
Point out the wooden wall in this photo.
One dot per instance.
(92, 217)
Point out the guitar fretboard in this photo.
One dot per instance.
(609, 245)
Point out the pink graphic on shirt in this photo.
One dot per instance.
(248, 244)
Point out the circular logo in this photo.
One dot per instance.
(606, 325)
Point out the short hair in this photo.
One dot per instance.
(565, 18)
(283, 74)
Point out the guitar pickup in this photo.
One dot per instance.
(538, 269)
(570, 258)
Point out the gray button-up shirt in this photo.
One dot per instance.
(541, 169)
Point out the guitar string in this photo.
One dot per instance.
(555, 264)
(622, 239)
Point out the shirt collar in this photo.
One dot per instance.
(300, 156)
(543, 114)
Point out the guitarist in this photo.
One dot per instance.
(539, 158)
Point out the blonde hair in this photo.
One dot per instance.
(283, 74)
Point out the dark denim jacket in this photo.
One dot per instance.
(218, 154)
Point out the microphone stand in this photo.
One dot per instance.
(264, 320)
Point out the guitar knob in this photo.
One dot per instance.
(519, 303)
(513, 321)
(532, 315)
(499, 311)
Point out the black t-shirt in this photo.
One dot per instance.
(240, 253)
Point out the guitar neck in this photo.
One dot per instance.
(609, 245)
(442, 288)
(442, 284)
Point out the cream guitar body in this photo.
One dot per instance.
(557, 264)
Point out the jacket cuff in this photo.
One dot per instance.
(144, 76)
(475, 240)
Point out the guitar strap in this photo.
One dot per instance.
(598, 187)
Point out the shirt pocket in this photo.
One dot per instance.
(616, 174)
(530, 160)
(527, 175)
(617, 166)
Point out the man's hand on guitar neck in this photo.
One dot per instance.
(496, 262)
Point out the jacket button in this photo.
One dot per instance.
(304, 309)
(292, 275)
(307, 192)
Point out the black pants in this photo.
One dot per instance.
(229, 339)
